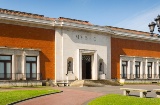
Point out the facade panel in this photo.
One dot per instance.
(136, 49)
(14, 36)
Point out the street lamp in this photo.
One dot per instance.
(151, 27)
(153, 24)
(158, 22)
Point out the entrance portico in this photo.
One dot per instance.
(87, 64)
(81, 55)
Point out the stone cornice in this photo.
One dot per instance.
(15, 48)
(81, 26)
(108, 31)
(67, 24)
(25, 19)
(132, 36)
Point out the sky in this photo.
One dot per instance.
(129, 14)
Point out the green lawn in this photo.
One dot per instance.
(7, 97)
(115, 99)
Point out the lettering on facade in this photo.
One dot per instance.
(84, 37)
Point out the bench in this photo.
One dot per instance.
(157, 92)
(63, 83)
(143, 92)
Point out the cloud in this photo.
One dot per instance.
(140, 20)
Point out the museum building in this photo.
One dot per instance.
(35, 47)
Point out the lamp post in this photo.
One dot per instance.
(153, 24)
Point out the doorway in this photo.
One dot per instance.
(31, 68)
(5, 67)
(86, 67)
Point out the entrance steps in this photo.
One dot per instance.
(94, 83)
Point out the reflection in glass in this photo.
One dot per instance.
(28, 70)
(5, 57)
(1, 70)
(8, 70)
(33, 70)
(30, 58)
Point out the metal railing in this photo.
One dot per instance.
(139, 76)
(20, 76)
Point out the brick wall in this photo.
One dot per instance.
(30, 37)
(130, 48)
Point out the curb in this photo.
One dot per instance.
(33, 98)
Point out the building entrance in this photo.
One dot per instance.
(86, 67)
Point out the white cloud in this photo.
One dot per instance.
(141, 20)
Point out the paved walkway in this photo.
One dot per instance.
(81, 95)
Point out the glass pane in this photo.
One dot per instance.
(1, 70)
(8, 70)
(137, 70)
(149, 64)
(34, 70)
(27, 67)
(149, 72)
(5, 57)
(27, 70)
(124, 63)
(124, 71)
(8, 67)
(30, 58)
(137, 63)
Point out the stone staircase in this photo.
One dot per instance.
(94, 83)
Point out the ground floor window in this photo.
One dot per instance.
(5, 67)
(137, 69)
(149, 68)
(124, 69)
(31, 67)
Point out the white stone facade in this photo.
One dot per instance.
(72, 43)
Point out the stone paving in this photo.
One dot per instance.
(82, 95)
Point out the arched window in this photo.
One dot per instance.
(101, 66)
(70, 65)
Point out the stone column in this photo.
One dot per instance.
(146, 67)
(38, 68)
(133, 69)
(13, 67)
(23, 66)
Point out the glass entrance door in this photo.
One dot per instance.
(124, 69)
(31, 68)
(149, 67)
(137, 69)
(5, 67)
(86, 67)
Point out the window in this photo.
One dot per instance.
(124, 69)
(137, 69)
(149, 68)
(31, 67)
(5, 67)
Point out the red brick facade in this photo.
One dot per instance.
(30, 37)
(130, 48)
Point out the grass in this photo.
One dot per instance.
(10, 96)
(115, 99)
